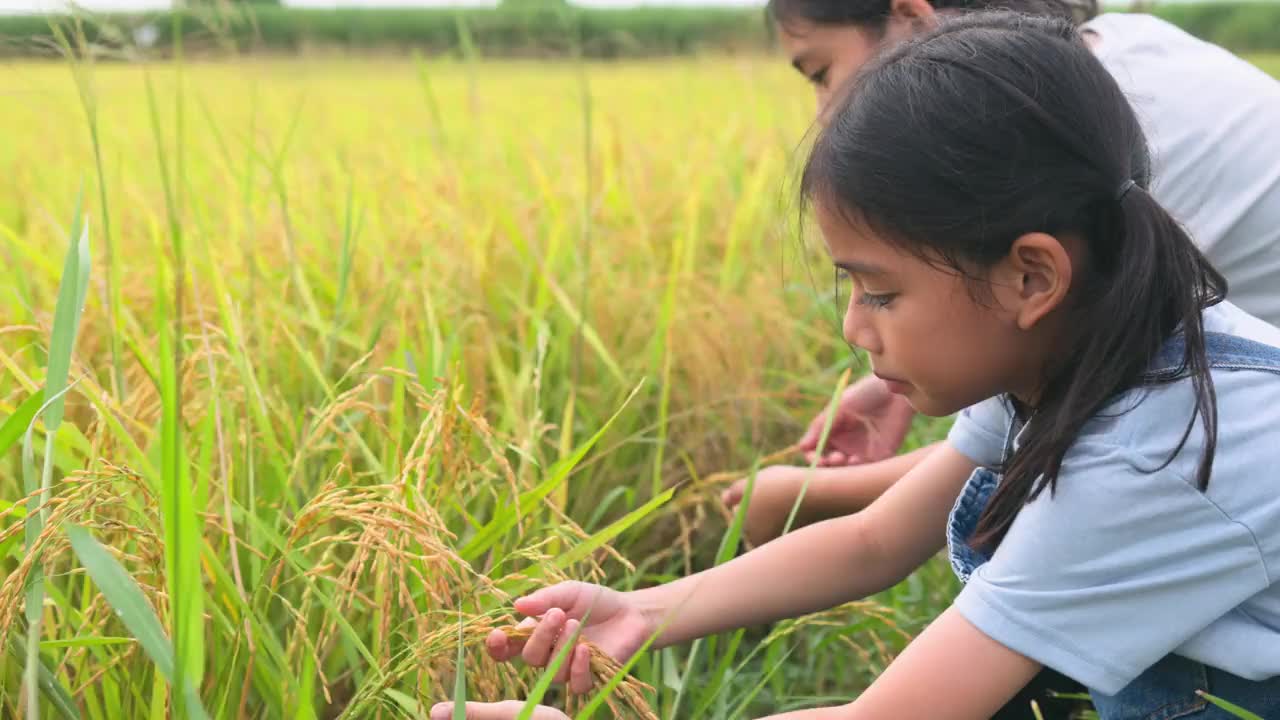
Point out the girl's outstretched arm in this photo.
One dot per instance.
(819, 566)
(812, 569)
(952, 671)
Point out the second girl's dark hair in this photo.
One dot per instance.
(873, 14)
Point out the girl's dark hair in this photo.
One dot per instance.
(953, 145)
(874, 13)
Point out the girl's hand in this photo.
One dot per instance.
(506, 710)
(617, 626)
(870, 425)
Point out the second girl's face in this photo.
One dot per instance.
(828, 55)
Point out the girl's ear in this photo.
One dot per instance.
(915, 15)
(1038, 274)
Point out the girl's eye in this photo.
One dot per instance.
(876, 302)
(843, 287)
(819, 78)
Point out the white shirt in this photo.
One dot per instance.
(1212, 122)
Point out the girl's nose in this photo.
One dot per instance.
(858, 330)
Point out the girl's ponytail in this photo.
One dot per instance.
(1149, 263)
(995, 125)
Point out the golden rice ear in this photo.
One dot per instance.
(603, 668)
(773, 457)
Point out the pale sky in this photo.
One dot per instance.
(20, 6)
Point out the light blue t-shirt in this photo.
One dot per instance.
(1122, 566)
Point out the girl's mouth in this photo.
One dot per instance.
(896, 386)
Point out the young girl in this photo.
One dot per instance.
(1109, 491)
(1210, 120)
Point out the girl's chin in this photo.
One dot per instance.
(929, 406)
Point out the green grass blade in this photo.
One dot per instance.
(16, 424)
(588, 332)
(504, 521)
(53, 690)
(78, 642)
(460, 676)
(131, 606)
(350, 230)
(728, 547)
(66, 324)
(299, 564)
(66, 315)
(755, 690)
(822, 444)
(31, 482)
(181, 523)
(433, 105)
(740, 668)
(549, 674)
(1229, 706)
(124, 596)
(717, 677)
(695, 650)
(600, 697)
(180, 529)
(729, 543)
(598, 540)
(406, 703)
(465, 43)
(507, 518)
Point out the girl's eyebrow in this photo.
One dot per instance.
(861, 268)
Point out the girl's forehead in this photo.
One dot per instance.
(852, 240)
(858, 248)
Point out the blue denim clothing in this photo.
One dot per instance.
(963, 521)
(1167, 688)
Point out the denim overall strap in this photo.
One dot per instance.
(1228, 352)
(1167, 689)
(963, 519)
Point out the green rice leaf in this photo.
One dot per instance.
(66, 317)
(507, 519)
(16, 424)
(582, 550)
(600, 697)
(755, 690)
(54, 691)
(180, 500)
(1229, 706)
(548, 675)
(405, 702)
(460, 676)
(130, 605)
(83, 642)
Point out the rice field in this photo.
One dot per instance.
(326, 361)
(369, 346)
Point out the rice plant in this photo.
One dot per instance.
(308, 368)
